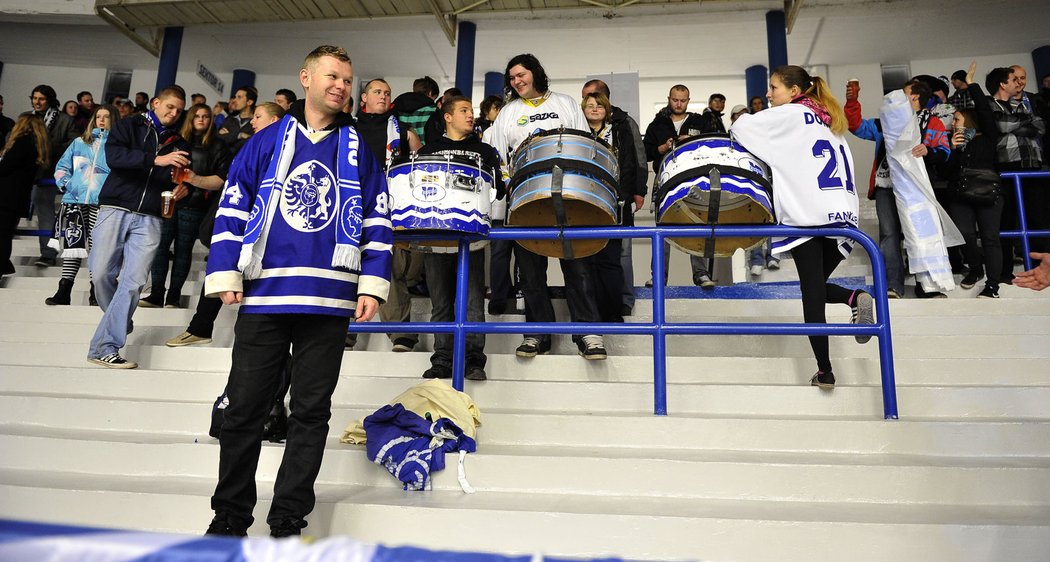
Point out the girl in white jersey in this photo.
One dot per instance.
(800, 137)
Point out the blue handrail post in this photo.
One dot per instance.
(882, 319)
(1023, 222)
(659, 339)
(459, 336)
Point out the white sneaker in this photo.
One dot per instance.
(757, 270)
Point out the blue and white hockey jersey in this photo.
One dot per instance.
(812, 170)
(297, 275)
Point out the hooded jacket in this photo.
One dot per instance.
(135, 183)
(413, 110)
(82, 170)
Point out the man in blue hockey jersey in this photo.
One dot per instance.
(302, 241)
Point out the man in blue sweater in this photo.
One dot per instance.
(302, 241)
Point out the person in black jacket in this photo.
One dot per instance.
(141, 152)
(607, 269)
(22, 156)
(671, 125)
(61, 130)
(209, 162)
(459, 140)
(6, 123)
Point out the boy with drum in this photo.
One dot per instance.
(459, 142)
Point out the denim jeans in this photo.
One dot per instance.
(697, 264)
(122, 248)
(890, 238)
(441, 281)
(761, 255)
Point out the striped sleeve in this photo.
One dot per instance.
(238, 196)
(377, 238)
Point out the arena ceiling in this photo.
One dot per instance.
(142, 20)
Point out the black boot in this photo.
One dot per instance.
(65, 287)
(91, 295)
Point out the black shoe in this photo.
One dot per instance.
(988, 293)
(922, 294)
(823, 380)
(276, 428)
(438, 372)
(531, 347)
(402, 345)
(44, 261)
(971, 279)
(1008, 279)
(863, 313)
(92, 301)
(226, 526)
(475, 374)
(65, 287)
(287, 527)
(592, 347)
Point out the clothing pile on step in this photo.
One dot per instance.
(411, 435)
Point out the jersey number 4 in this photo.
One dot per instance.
(829, 177)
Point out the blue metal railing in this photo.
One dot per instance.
(658, 328)
(1022, 222)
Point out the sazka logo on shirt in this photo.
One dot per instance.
(526, 119)
(308, 203)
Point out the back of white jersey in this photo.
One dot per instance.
(812, 167)
(519, 119)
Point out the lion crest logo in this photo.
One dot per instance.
(309, 200)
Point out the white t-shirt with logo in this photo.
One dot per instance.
(519, 119)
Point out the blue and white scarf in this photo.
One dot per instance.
(347, 252)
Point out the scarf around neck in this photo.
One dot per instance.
(820, 110)
(347, 252)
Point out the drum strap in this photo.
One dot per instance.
(588, 168)
(715, 203)
(693, 173)
(559, 211)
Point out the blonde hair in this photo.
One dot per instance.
(272, 109)
(30, 124)
(603, 101)
(816, 89)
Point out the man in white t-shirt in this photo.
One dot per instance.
(533, 108)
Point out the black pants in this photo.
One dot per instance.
(501, 280)
(986, 219)
(203, 321)
(8, 224)
(607, 270)
(815, 260)
(260, 350)
(580, 290)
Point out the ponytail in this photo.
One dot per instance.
(816, 89)
(821, 93)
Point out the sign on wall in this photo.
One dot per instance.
(210, 77)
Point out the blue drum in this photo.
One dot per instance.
(684, 195)
(440, 193)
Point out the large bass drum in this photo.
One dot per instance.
(436, 193)
(563, 178)
(685, 197)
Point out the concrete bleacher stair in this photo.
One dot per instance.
(751, 463)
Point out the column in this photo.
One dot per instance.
(493, 84)
(465, 57)
(169, 58)
(756, 77)
(776, 38)
(242, 78)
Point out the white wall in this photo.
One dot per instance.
(18, 81)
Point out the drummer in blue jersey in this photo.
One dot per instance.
(800, 138)
(302, 241)
(534, 108)
(461, 142)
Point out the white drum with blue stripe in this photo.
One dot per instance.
(440, 193)
(684, 192)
